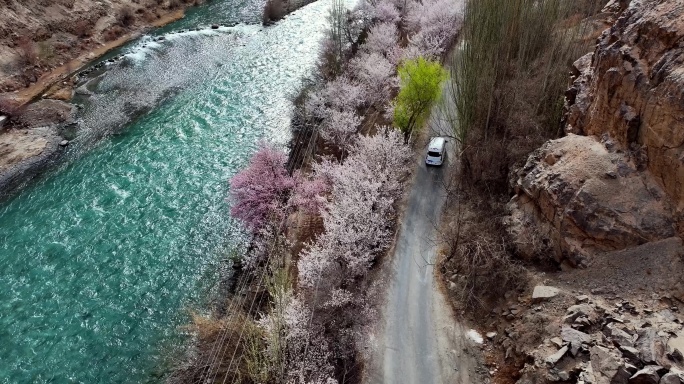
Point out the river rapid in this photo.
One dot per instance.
(102, 259)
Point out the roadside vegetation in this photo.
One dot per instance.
(508, 78)
(321, 217)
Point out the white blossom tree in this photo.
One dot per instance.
(378, 76)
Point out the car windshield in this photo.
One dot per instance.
(434, 154)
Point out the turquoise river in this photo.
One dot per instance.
(103, 258)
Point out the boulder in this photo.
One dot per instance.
(574, 336)
(651, 347)
(630, 353)
(619, 337)
(580, 310)
(607, 366)
(571, 205)
(671, 378)
(557, 341)
(542, 293)
(648, 375)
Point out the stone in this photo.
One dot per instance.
(581, 299)
(543, 292)
(574, 336)
(676, 343)
(491, 335)
(648, 375)
(580, 310)
(675, 355)
(650, 346)
(670, 378)
(619, 337)
(214, 26)
(64, 143)
(632, 354)
(553, 359)
(557, 341)
(607, 366)
(3, 121)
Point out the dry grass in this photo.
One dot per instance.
(218, 341)
(476, 257)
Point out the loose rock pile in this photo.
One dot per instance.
(593, 340)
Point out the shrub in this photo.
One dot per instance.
(27, 51)
(273, 10)
(476, 257)
(125, 17)
(421, 83)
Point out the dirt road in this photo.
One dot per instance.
(420, 342)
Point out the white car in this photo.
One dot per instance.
(436, 151)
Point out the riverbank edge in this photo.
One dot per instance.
(50, 86)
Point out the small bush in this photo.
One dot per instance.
(274, 10)
(478, 259)
(113, 33)
(125, 17)
(27, 51)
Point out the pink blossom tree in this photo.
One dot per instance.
(385, 12)
(342, 94)
(364, 188)
(309, 194)
(432, 26)
(340, 127)
(258, 192)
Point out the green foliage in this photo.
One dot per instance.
(421, 82)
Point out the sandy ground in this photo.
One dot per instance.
(16, 146)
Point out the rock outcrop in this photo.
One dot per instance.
(632, 89)
(616, 181)
(577, 196)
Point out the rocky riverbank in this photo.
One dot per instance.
(42, 46)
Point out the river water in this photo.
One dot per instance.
(102, 259)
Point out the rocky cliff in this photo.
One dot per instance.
(617, 179)
(607, 199)
(632, 89)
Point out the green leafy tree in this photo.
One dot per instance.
(421, 82)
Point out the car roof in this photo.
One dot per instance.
(436, 144)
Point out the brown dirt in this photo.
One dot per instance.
(42, 45)
(16, 146)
